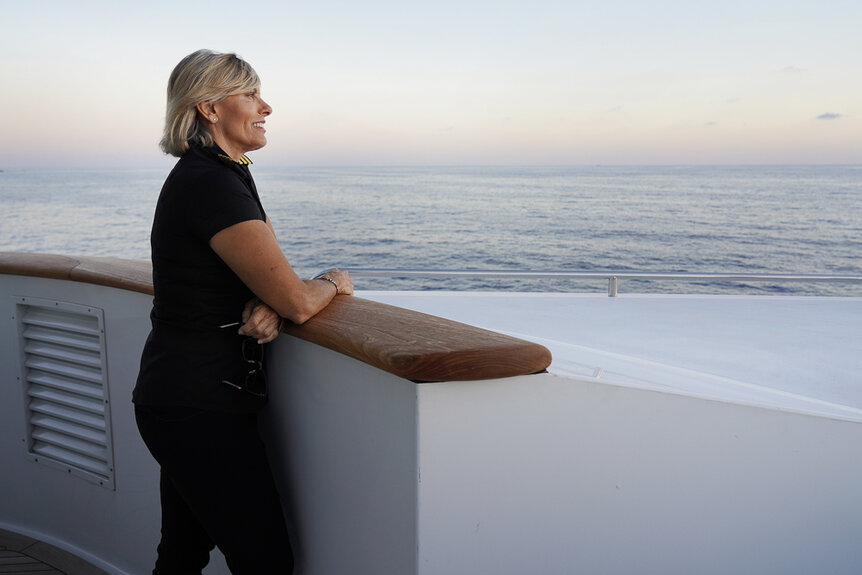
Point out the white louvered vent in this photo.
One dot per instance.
(64, 375)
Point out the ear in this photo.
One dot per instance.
(207, 111)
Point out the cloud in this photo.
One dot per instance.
(829, 116)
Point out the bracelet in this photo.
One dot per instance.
(323, 273)
(330, 280)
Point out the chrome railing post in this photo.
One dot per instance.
(612, 286)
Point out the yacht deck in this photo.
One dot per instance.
(791, 353)
(21, 555)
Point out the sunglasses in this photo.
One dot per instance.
(255, 379)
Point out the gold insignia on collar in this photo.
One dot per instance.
(243, 160)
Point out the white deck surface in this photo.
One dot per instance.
(799, 354)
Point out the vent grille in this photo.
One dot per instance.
(64, 375)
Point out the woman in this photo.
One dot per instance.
(222, 286)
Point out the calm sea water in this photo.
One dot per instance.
(661, 219)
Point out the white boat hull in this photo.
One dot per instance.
(608, 463)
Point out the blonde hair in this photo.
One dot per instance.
(202, 76)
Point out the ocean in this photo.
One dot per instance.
(769, 220)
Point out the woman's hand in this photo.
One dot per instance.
(260, 321)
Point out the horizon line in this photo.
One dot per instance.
(445, 165)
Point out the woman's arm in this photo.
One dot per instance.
(250, 249)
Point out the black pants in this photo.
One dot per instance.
(216, 490)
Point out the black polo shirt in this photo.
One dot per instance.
(187, 355)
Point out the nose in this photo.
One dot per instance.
(266, 109)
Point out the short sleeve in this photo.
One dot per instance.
(220, 201)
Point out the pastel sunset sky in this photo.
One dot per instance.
(396, 82)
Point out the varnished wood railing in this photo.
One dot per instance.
(409, 344)
(131, 275)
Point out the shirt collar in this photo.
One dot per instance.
(243, 160)
(227, 160)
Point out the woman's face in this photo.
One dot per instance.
(239, 120)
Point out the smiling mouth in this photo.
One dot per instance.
(259, 125)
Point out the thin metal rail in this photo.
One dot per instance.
(612, 277)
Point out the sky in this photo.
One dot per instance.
(463, 82)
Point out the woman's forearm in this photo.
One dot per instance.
(250, 249)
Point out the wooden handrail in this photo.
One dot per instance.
(409, 344)
(131, 275)
(418, 346)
